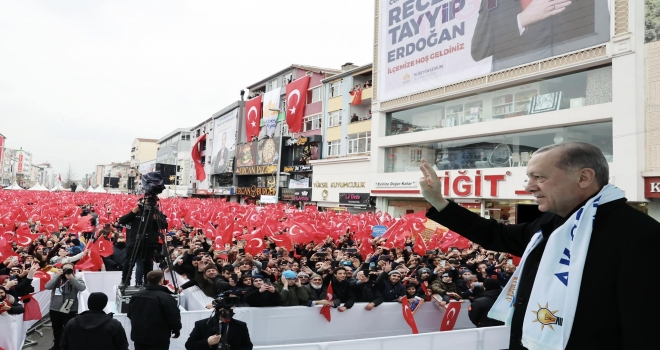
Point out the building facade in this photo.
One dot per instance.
(173, 159)
(143, 150)
(341, 177)
(478, 116)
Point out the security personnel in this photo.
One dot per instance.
(221, 331)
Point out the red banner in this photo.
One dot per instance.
(451, 315)
(197, 159)
(252, 117)
(325, 310)
(296, 93)
(356, 97)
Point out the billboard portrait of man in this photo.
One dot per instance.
(220, 164)
(516, 32)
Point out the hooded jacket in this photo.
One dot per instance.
(442, 288)
(294, 296)
(94, 327)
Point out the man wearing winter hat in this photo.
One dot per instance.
(94, 327)
(390, 284)
(291, 290)
(478, 311)
(445, 288)
(317, 291)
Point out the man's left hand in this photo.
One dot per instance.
(341, 308)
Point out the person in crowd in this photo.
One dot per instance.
(8, 304)
(94, 326)
(569, 182)
(116, 261)
(366, 290)
(221, 331)
(261, 294)
(291, 290)
(19, 281)
(389, 282)
(478, 310)
(342, 293)
(64, 256)
(317, 291)
(154, 315)
(445, 288)
(473, 288)
(354, 118)
(64, 287)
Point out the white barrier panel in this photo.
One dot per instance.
(492, 338)
(13, 328)
(299, 324)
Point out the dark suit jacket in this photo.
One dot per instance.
(238, 336)
(497, 32)
(221, 167)
(606, 316)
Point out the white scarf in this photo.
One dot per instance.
(552, 303)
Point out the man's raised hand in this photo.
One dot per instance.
(431, 186)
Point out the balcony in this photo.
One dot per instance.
(334, 104)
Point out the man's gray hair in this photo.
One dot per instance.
(579, 155)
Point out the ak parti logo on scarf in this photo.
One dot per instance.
(546, 317)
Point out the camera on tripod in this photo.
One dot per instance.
(153, 185)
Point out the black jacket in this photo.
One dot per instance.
(618, 233)
(116, 261)
(151, 230)
(341, 292)
(391, 292)
(238, 336)
(478, 311)
(154, 315)
(367, 292)
(94, 327)
(257, 299)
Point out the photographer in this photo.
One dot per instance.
(220, 331)
(154, 315)
(149, 243)
(65, 287)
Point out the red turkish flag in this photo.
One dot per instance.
(104, 247)
(450, 317)
(32, 308)
(427, 297)
(453, 239)
(252, 117)
(209, 230)
(92, 261)
(254, 243)
(296, 94)
(325, 310)
(43, 277)
(365, 247)
(197, 158)
(300, 233)
(420, 246)
(356, 97)
(24, 236)
(282, 241)
(408, 315)
(5, 249)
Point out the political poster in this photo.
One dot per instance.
(224, 143)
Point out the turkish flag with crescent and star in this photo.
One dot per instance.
(252, 117)
(196, 156)
(296, 94)
(451, 315)
(408, 315)
(325, 309)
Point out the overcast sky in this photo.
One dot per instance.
(79, 79)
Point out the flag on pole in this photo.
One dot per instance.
(325, 310)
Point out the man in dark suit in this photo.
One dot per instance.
(220, 163)
(563, 178)
(221, 331)
(515, 32)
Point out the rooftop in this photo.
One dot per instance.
(348, 72)
(300, 66)
(146, 140)
(172, 133)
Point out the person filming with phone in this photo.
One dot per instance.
(583, 218)
(64, 287)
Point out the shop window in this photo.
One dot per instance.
(585, 88)
(497, 151)
(333, 148)
(359, 143)
(334, 118)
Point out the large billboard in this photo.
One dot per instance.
(224, 143)
(259, 157)
(425, 44)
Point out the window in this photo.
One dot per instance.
(359, 143)
(335, 89)
(285, 130)
(334, 118)
(312, 122)
(287, 78)
(495, 151)
(314, 95)
(333, 148)
(185, 137)
(271, 85)
(575, 90)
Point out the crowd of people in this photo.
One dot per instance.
(354, 265)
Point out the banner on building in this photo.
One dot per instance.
(259, 157)
(271, 101)
(19, 167)
(425, 44)
(301, 183)
(224, 142)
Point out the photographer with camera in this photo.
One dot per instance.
(145, 252)
(221, 331)
(65, 287)
(154, 315)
